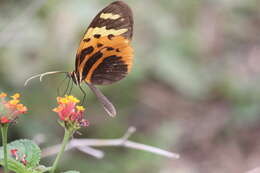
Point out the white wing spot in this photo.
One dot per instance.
(109, 16)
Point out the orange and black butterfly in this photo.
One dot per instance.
(105, 55)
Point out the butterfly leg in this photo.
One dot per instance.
(67, 87)
(71, 88)
(84, 93)
(59, 88)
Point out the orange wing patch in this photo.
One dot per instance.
(111, 60)
(118, 49)
(105, 55)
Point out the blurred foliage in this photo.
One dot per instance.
(194, 87)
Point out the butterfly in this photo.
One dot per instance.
(105, 54)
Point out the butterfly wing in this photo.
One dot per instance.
(105, 54)
(115, 19)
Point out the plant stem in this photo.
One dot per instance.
(68, 133)
(4, 130)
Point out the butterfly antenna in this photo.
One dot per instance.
(40, 76)
(107, 105)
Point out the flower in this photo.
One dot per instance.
(10, 109)
(4, 120)
(3, 95)
(70, 113)
(16, 96)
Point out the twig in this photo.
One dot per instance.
(131, 130)
(84, 145)
(92, 151)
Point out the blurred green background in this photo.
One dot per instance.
(194, 88)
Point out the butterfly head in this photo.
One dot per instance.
(75, 77)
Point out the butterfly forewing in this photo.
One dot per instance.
(115, 19)
(105, 54)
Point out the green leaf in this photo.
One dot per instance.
(71, 172)
(14, 165)
(43, 168)
(18, 167)
(32, 151)
(23, 146)
(30, 170)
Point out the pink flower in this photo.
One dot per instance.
(10, 109)
(4, 120)
(70, 113)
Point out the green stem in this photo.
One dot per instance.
(67, 135)
(4, 130)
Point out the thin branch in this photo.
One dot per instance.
(131, 130)
(81, 145)
(92, 151)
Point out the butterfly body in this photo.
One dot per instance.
(105, 54)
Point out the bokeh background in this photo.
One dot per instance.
(194, 88)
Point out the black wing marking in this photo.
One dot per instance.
(124, 21)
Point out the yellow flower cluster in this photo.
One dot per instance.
(13, 107)
(80, 108)
(3, 95)
(71, 113)
(16, 96)
(67, 99)
(15, 102)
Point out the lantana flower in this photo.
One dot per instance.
(70, 112)
(11, 108)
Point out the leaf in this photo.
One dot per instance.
(71, 172)
(18, 167)
(32, 151)
(23, 146)
(14, 165)
(43, 168)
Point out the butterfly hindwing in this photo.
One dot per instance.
(105, 55)
(115, 63)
